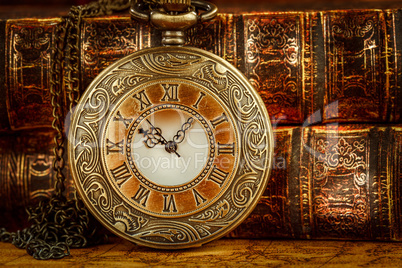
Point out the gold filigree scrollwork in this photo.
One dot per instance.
(171, 63)
(341, 155)
(131, 222)
(242, 104)
(244, 189)
(255, 142)
(221, 210)
(352, 27)
(168, 232)
(87, 148)
(96, 107)
(87, 154)
(216, 80)
(97, 191)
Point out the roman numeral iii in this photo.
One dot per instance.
(218, 176)
(226, 148)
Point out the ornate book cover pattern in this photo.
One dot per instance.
(273, 48)
(394, 28)
(105, 40)
(4, 122)
(337, 182)
(26, 174)
(360, 70)
(217, 36)
(396, 172)
(29, 48)
(341, 182)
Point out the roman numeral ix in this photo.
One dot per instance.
(112, 147)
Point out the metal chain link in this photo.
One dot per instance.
(58, 224)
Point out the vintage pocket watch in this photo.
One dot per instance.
(171, 147)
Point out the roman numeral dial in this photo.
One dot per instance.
(156, 118)
(170, 146)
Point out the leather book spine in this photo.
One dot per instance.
(28, 48)
(26, 174)
(334, 182)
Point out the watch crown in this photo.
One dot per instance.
(175, 5)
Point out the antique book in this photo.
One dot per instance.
(309, 67)
(313, 69)
(26, 174)
(327, 182)
(332, 182)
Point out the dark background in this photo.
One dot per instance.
(363, 3)
(49, 8)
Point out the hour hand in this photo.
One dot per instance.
(153, 136)
(181, 134)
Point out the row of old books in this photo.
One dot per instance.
(331, 81)
(309, 67)
(328, 181)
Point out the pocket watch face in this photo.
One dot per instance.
(170, 147)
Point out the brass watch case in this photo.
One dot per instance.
(123, 79)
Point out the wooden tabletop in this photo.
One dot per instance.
(222, 253)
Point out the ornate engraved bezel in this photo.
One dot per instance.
(223, 81)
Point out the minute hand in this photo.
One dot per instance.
(181, 134)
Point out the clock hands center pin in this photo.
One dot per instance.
(154, 136)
